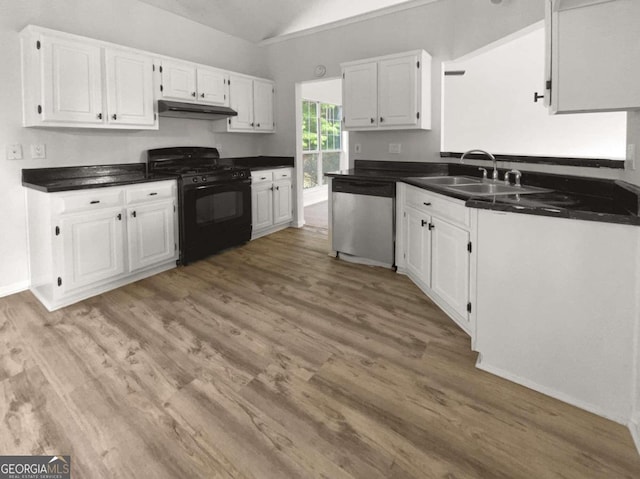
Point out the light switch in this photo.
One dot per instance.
(357, 148)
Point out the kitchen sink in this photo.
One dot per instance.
(450, 180)
(488, 189)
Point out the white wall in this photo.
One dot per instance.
(491, 107)
(126, 22)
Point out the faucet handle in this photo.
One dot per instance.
(484, 173)
(517, 175)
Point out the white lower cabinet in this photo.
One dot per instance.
(434, 248)
(92, 247)
(151, 234)
(271, 200)
(86, 242)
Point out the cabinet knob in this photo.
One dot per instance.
(252, 124)
(114, 116)
(133, 213)
(537, 97)
(381, 119)
(373, 120)
(423, 222)
(201, 95)
(99, 116)
(271, 188)
(263, 177)
(94, 202)
(426, 204)
(119, 216)
(278, 188)
(193, 94)
(258, 125)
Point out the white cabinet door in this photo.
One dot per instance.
(360, 95)
(418, 245)
(151, 234)
(241, 100)
(262, 205)
(282, 211)
(92, 248)
(263, 92)
(594, 51)
(212, 86)
(178, 81)
(129, 79)
(72, 84)
(450, 265)
(398, 91)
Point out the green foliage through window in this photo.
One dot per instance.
(321, 141)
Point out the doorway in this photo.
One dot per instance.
(322, 145)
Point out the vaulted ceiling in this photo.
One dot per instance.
(258, 20)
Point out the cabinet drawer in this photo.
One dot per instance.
(87, 200)
(438, 205)
(282, 173)
(261, 176)
(150, 192)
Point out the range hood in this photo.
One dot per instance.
(178, 109)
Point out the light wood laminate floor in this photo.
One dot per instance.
(274, 360)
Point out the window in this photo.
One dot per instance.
(321, 141)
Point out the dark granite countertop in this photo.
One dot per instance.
(572, 197)
(70, 178)
(51, 180)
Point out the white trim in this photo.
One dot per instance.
(550, 392)
(634, 428)
(347, 21)
(14, 288)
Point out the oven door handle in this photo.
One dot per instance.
(218, 185)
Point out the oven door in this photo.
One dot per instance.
(214, 217)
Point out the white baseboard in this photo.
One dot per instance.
(552, 392)
(634, 428)
(14, 288)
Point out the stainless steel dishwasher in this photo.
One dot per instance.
(363, 223)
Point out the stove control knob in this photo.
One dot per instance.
(195, 180)
(234, 174)
(204, 178)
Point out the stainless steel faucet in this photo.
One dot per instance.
(494, 175)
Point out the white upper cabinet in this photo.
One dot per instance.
(78, 82)
(398, 91)
(388, 93)
(263, 105)
(360, 95)
(593, 48)
(194, 83)
(129, 88)
(178, 80)
(241, 101)
(212, 86)
(253, 99)
(71, 80)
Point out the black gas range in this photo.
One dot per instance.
(214, 199)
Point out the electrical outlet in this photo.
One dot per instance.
(395, 148)
(38, 152)
(358, 148)
(14, 152)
